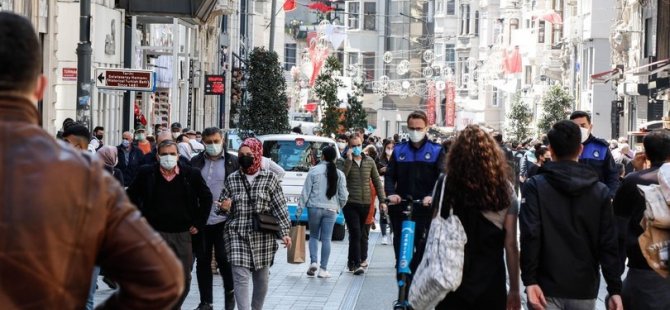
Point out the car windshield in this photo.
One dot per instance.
(296, 156)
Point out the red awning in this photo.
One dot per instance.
(662, 65)
(604, 77)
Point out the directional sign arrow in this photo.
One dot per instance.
(101, 78)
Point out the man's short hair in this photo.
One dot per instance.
(657, 146)
(164, 144)
(77, 131)
(98, 128)
(580, 114)
(565, 139)
(418, 114)
(498, 136)
(210, 131)
(20, 54)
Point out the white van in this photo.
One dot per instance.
(297, 154)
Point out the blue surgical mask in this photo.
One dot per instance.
(125, 143)
(213, 149)
(356, 151)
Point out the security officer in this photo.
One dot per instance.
(596, 152)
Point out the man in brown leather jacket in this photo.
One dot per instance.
(60, 212)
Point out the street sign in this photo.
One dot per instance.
(125, 79)
(69, 74)
(214, 85)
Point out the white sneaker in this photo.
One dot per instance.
(323, 273)
(385, 240)
(312, 269)
(364, 264)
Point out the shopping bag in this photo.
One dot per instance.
(296, 252)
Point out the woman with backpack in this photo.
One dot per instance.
(324, 194)
(479, 191)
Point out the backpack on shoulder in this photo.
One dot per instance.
(656, 222)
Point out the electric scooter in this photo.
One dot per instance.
(406, 253)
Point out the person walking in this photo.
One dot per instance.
(215, 165)
(487, 207)
(641, 282)
(323, 194)
(543, 156)
(61, 212)
(176, 201)
(382, 164)
(110, 157)
(130, 158)
(359, 170)
(246, 192)
(568, 231)
(96, 139)
(141, 140)
(78, 136)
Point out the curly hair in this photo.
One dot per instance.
(477, 172)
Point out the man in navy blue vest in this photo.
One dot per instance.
(412, 171)
(596, 153)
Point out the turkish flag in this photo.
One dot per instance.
(289, 5)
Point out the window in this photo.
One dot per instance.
(450, 57)
(649, 37)
(369, 68)
(513, 25)
(293, 156)
(476, 23)
(352, 58)
(540, 31)
(354, 15)
(495, 100)
(529, 75)
(465, 19)
(369, 18)
(451, 7)
(439, 7)
(464, 72)
(289, 55)
(556, 36)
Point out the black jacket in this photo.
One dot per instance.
(129, 168)
(568, 232)
(232, 164)
(198, 196)
(597, 154)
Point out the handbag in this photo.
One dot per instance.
(296, 252)
(441, 269)
(263, 222)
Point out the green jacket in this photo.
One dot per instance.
(358, 180)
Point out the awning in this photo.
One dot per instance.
(549, 16)
(662, 65)
(606, 76)
(197, 11)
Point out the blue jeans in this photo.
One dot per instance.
(321, 223)
(91, 293)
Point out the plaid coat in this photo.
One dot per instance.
(246, 247)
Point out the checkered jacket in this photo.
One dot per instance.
(246, 247)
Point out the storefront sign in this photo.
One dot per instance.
(214, 85)
(69, 74)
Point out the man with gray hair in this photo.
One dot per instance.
(130, 158)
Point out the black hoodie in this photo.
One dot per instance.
(568, 232)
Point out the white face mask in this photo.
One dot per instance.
(168, 162)
(175, 135)
(389, 152)
(341, 145)
(416, 136)
(585, 134)
(213, 149)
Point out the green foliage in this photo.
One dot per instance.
(266, 111)
(520, 117)
(325, 88)
(556, 106)
(356, 116)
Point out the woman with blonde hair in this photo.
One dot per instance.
(478, 189)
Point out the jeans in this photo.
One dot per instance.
(241, 276)
(355, 215)
(321, 224)
(645, 289)
(180, 243)
(203, 242)
(554, 303)
(364, 241)
(90, 303)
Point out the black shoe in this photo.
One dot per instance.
(110, 283)
(359, 271)
(204, 306)
(230, 300)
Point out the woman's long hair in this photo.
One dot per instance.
(329, 155)
(477, 172)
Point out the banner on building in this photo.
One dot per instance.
(450, 111)
(430, 102)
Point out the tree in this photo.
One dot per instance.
(520, 117)
(266, 111)
(325, 87)
(356, 116)
(556, 106)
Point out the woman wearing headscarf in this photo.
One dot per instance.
(248, 191)
(109, 156)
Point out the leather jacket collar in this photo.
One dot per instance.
(17, 109)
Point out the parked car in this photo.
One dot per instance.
(297, 154)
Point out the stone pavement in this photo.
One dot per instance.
(291, 288)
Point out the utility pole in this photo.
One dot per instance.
(84, 52)
(272, 25)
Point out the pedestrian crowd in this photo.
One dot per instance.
(144, 213)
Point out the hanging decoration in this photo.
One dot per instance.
(403, 67)
(289, 5)
(428, 56)
(388, 57)
(320, 6)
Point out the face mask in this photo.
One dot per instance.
(139, 137)
(125, 143)
(585, 134)
(357, 151)
(416, 136)
(175, 135)
(213, 149)
(168, 162)
(246, 161)
(99, 137)
(341, 145)
(389, 152)
(199, 140)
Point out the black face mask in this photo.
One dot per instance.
(99, 137)
(246, 161)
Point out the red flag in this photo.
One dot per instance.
(289, 5)
(320, 6)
